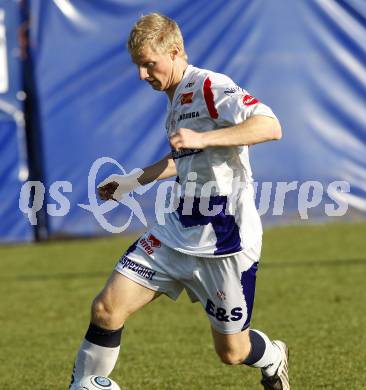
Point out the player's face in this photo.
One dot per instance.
(155, 68)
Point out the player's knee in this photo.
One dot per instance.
(100, 311)
(104, 315)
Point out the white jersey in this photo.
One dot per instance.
(215, 213)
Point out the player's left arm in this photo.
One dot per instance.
(254, 130)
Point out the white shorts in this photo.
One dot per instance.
(225, 286)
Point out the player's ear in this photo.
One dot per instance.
(174, 53)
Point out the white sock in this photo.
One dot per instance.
(264, 355)
(98, 353)
(93, 359)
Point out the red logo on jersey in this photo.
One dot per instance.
(186, 98)
(154, 242)
(249, 100)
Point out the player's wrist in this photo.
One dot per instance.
(123, 183)
(209, 139)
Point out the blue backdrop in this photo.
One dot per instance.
(305, 59)
(13, 155)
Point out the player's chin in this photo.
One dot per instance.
(156, 85)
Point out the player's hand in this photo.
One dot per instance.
(107, 191)
(187, 139)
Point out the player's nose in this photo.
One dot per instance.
(143, 73)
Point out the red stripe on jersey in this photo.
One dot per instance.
(209, 99)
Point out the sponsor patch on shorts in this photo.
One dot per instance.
(149, 244)
(139, 269)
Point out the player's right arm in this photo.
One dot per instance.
(114, 186)
(162, 169)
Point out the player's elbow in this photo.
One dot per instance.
(270, 127)
(276, 130)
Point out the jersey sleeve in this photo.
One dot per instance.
(228, 104)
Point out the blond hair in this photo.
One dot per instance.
(157, 31)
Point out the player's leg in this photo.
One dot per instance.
(250, 347)
(99, 351)
(120, 298)
(226, 288)
(141, 275)
(253, 348)
(232, 349)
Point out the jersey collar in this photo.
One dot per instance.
(183, 82)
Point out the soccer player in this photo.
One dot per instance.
(210, 244)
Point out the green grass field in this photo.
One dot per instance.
(310, 292)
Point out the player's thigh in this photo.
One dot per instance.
(150, 263)
(119, 298)
(141, 274)
(232, 348)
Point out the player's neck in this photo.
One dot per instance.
(177, 76)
